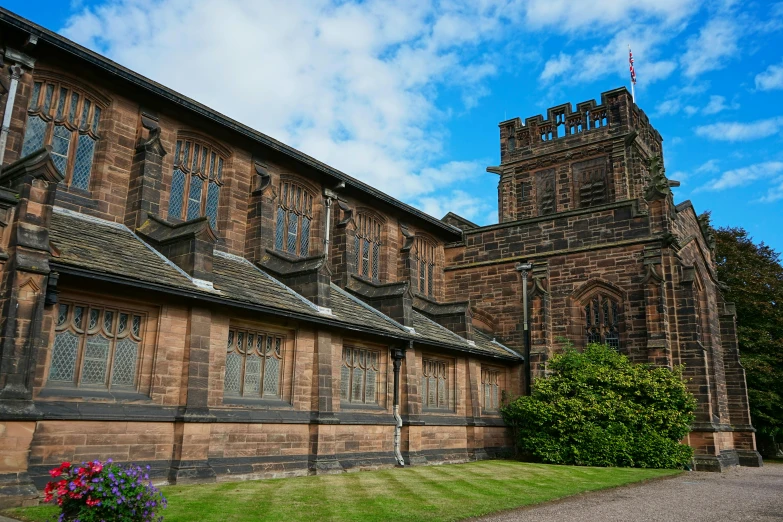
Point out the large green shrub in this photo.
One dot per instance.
(598, 409)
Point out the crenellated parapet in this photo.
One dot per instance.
(566, 126)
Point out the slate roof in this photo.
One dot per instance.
(105, 247)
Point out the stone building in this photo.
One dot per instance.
(183, 291)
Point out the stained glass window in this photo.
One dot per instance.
(294, 219)
(359, 375)
(52, 119)
(254, 363)
(490, 389)
(423, 265)
(195, 182)
(602, 317)
(95, 347)
(367, 246)
(435, 385)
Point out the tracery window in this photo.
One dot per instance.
(66, 119)
(490, 384)
(434, 384)
(602, 317)
(359, 376)
(196, 182)
(423, 266)
(367, 247)
(294, 216)
(254, 363)
(591, 182)
(96, 346)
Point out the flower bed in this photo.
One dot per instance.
(96, 491)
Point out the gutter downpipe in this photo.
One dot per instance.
(397, 356)
(16, 73)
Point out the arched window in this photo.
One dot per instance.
(367, 247)
(254, 362)
(423, 266)
(294, 216)
(66, 119)
(196, 182)
(602, 317)
(96, 346)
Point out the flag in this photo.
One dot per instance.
(630, 62)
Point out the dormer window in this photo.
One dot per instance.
(196, 182)
(367, 246)
(294, 216)
(66, 119)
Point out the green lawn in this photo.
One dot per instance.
(428, 493)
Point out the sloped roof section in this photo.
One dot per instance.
(430, 331)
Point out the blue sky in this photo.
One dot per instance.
(407, 95)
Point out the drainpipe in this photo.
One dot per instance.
(330, 195)
(16, 73)
(397, 355)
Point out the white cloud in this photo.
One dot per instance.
(459, 202)
(771, 78)
(744, 176)
(708, 167)
(715, 44)
(738, 131)
(690, 110)
(556, 67)
(775, 192)
(353, 84)
(569, 15)
(717, 104)
(667, 107)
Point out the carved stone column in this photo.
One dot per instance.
(146, 175)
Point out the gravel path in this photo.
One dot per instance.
(738, 494)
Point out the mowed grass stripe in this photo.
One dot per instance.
(428, 493)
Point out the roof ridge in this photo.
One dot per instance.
(465, 341)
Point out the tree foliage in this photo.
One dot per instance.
(598, 409)
(754, 276)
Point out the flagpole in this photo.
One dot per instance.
(633, 75)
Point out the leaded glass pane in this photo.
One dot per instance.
(422, 281)
(375, 268)
(196, 151)
(124, 367)
(432, 387)
(356, 247)
(204, 159)
(136, 328)
(213, 198)
(233, 369)
(212, 166)
(442, 393)
(83, 123)
(345, 384)
(424, 393)
(63, 366)
(95, 119)
(108, 321)
(272, 376)
(78, 315)
(365, 258)
(123, 324)
(429, 279)
(186, 155)
(94, 314)
(293, 222)
(72, 110)
(220, 169)
(96, 355)
(62, 315)
(61, 103)
(36, 94)
(305, 237)
(47, 104)
(370, 392)
(83, 163)
(252, 376)
(495, 399)
(61, 142)
(279, 228)
(487, 399)
(230, 340)
(358, 381)
(194, 197)
(177, 193)
(34, 135)
(176, 153)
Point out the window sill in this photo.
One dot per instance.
(356, 406)
(438, 410)
(82, 393)
(260, 403)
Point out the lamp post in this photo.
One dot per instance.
(524, 268)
